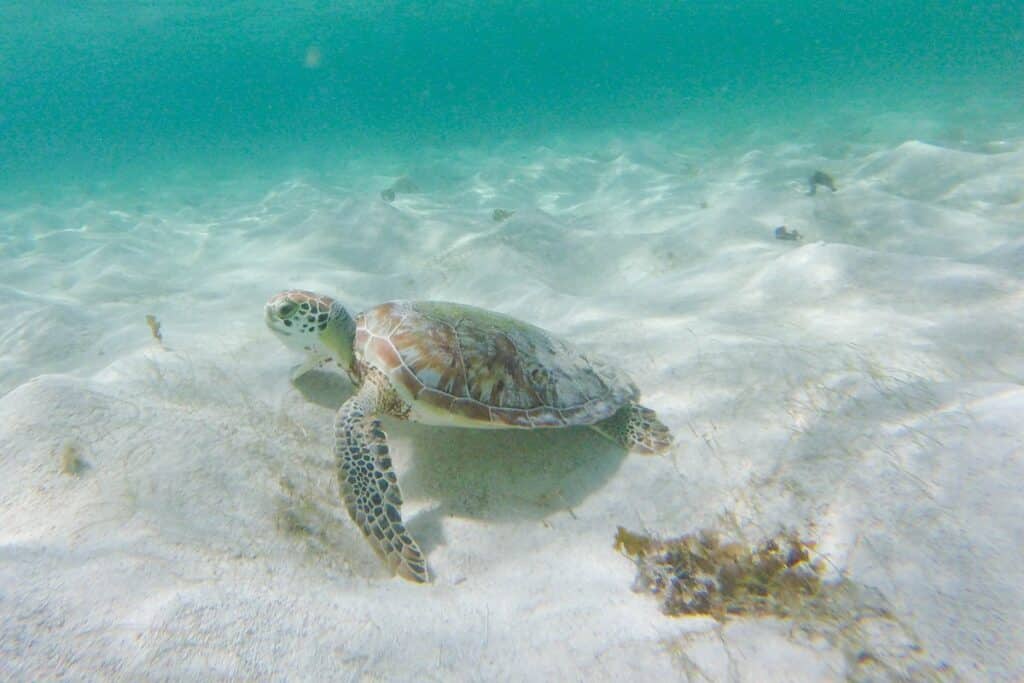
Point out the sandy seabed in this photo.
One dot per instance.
(170, 510)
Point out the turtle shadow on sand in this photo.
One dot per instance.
(325, 389)
(485, 474)
(498, 475)
(505, 474)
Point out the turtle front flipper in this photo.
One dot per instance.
(637, 429)
(369, 486)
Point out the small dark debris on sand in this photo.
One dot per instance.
(154, 328)
(71, 461)
(403, 185)
(823, 179)
(782, 234)
(500, 215)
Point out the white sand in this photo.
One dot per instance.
(862, 386)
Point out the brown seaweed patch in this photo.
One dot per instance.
(699, 574)
(703, 575)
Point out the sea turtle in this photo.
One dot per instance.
(447, 364)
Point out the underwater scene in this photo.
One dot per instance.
(511, 341)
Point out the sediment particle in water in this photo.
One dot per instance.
(154, 327)
(313, 58)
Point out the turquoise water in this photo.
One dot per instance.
(105, 89)
(619, 174)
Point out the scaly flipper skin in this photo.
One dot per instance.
(369, 486)
(637, 429)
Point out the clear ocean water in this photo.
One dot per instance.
(120, 90)
(797, 227)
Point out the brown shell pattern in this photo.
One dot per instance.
(488, 367)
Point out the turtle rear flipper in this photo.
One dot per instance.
(637, 429)
(369, 486)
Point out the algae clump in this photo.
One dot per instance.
(700, 574)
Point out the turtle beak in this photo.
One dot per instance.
(273, 322)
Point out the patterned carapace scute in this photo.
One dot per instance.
(487, 367)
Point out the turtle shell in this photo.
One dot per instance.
(457, 364)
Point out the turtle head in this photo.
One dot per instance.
(313, 324)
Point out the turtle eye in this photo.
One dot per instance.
(285, 310)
